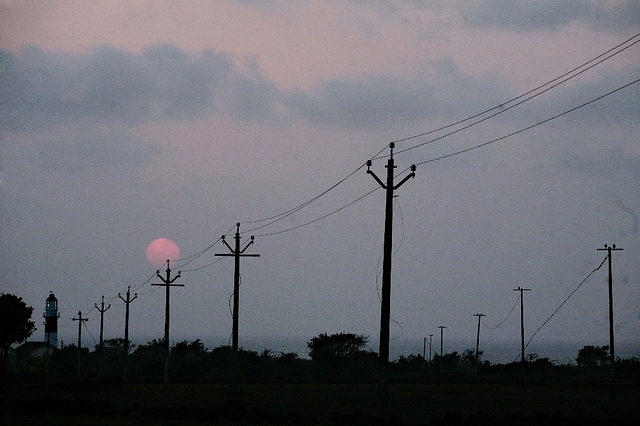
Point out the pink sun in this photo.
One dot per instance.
(161, 250)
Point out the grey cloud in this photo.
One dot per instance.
(551, 14)
(380, 100)
(42, 88)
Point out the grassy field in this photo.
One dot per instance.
(312, 403)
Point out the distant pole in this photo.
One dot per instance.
(102, 310)
(522, 361)
(478, 338)
(612, 352)
(430, 336)
(441, 327)
(424, 353)
(385, 310)
(126, 301)
(167, 283)
(80, 321)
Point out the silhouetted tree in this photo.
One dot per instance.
(593, 356)
(336, 347)
(450, 362)
(147, 361)
(15, 325)
(341, 357)
(469, 356)
(190, 360)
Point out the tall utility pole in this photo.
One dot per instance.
(102, 310)
(478, 337)
(441, 327)
(612, 352)
(385, 310)
(237, 253)
(80, 321)
(126, 328)
(167, 283)
(522, 361)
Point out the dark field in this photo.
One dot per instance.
(87, 403)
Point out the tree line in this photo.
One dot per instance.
(335, 358)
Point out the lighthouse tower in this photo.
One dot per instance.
(51, 316)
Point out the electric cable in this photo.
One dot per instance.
(288, 213)
(565, 301)
(505, 319)
(321, 217)
(442, 157)
(502, 107)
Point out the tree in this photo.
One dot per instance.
(336, 347)
(342, 358)
(593, 356)
(15, 324)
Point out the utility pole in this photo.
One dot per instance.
(102, 310)
(80, 321)
(612, 352)
(424, 353)
(237, 253)
(478, 338)
(430, 336)
(385, 311)
(441, 327)
(522, 290)
(167, 283)
(126, 328)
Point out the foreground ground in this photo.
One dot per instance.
(89, 403)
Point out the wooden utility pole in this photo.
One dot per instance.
(385, 311)
(612, 352)
(102, 310)
(126, 301)
(167, 282)
(441, 327)
(478, 338)
(80, 321)
(522, 360)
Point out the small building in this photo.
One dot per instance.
(34, 349)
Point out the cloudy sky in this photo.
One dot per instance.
(122, 122)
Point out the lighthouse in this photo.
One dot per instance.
(51, 316)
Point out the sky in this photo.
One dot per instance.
(123, 122)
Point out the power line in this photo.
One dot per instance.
(565, 301)
(442, 157)
(505, 319)
(321, 217)
(501, 106)
(288, 213)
